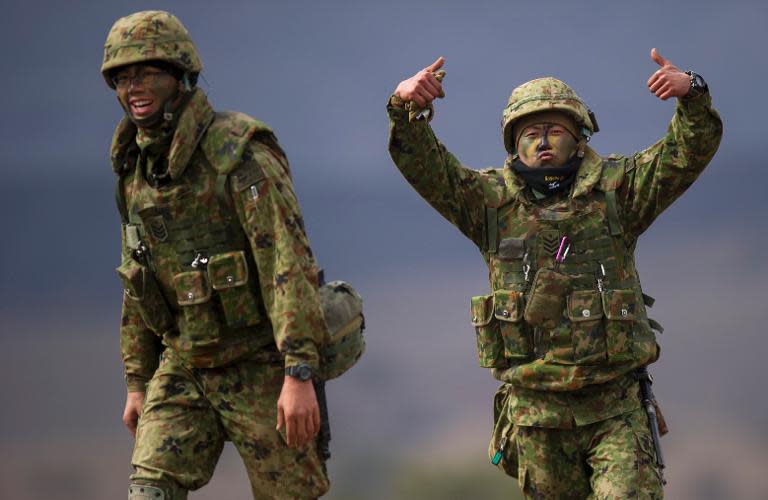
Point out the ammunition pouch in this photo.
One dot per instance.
(546, 302)
(343, 312)
(142, 289)
(229, 276)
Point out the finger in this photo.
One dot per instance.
(667, 94)
(425, 95)
(435, 85)
(301, 431)
(418, 99)
(658, 84)
(663, 90)
(290, 431)
(280, 418)
(658, 59)
(655, 77)
(436, 65)
(316, 421)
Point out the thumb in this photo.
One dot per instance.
(658, 59)
(436, 65)
(280, 417)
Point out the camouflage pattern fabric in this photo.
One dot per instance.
(550, 367)
(258, 285)
(569, 403)
(189, 413)
(151, 35)
(617, 454)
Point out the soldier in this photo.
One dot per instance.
(221, 321)
(565, 328)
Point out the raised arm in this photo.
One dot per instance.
(666, 169)
(453, 190)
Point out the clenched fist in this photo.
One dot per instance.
(423, 87)
(668, 81)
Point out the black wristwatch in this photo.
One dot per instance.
(302, 372)
(698, 85)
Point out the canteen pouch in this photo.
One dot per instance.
(142, 289)
(546, 303)
(620, 307)
(502, 450)
(228, 274)
(198, 320)
(508, 311)
(490, 346)
(585, 310)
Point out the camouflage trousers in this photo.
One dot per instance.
(188, 414)
(611, 459)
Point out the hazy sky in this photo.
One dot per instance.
(320, 74)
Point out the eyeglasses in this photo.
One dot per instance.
(122, 82)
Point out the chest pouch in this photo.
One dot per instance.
(490, 346)
(142, 289)
(228, 273)
(508, 311)
(585, 310)
(620, 307)
(546, 303)
(198, 321)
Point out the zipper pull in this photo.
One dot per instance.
(500, 452)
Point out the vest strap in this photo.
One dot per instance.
(492, 229)
(122, 207)
(613, 213)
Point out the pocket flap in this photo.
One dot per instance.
(620, 304)
(132, 276)
(508, 305)
(191, 288)
(228, 270)
(584, 305)
(481, 310)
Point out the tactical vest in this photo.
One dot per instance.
(588, 310)
(193, 276)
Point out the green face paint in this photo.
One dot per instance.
(143, 90)
(546, 144)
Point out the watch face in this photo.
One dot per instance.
(305, 372)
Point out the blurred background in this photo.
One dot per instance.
(413, 418)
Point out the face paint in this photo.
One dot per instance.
(546, 144)
(143, 90)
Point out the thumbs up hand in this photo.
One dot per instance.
(423, 87)
(668, 81)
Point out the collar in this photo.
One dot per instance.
(193, 122)
(586, 178)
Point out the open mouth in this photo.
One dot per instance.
(141, 107)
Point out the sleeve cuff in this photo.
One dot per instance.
(136, 383)
(311, 359)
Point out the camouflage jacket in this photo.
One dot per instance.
(565, 336)
(215, 260)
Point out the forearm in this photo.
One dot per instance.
(665, 170)
(451, 189)
(140, 349)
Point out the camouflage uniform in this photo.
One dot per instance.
(564, 338)
(220, 286)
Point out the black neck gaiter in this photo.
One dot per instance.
(548, 180)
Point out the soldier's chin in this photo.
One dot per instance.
(148, 121)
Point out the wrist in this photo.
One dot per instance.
(301, 372)
(698, 86)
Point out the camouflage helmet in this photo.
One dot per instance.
(151, 35)
(343, 311)
(544, 94)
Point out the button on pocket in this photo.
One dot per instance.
(228, 273)
(585, 310)
(508, 307)
(620, 307)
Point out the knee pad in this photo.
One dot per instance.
(145, 492)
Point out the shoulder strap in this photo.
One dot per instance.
(611, 177)
(120, 200)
